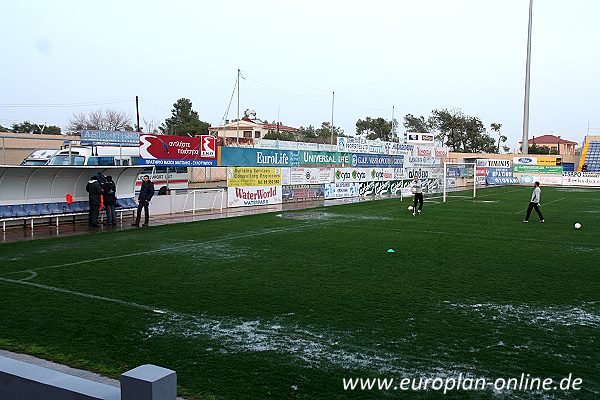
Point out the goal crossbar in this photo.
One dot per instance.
(446, 164)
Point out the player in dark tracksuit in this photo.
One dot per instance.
(417, 189)
(146, 193)
(94, 189)
(535, 203)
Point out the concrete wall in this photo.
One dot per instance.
(207, 174)
(178, 202)
(23, 381)
(14, 147)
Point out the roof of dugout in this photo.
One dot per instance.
(47, 184)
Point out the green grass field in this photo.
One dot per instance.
(265, 307)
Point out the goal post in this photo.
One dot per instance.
(204, 199)
(457, 176)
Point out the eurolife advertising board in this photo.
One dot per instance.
(253, 176)
(250, 157)
(198, 151)
(244, 196)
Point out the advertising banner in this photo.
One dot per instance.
(253, 176)
(199, 151)
(110, 138)
(551, 180)
(381, 161)
(352, 175)
(394, 148)
(416, 161)
(499, 172)
(352, 145)
(341, 189)
(324, 159)
(253, 196)
(424, 151)
(380, 188)
(414, 137)
(303, 193)
(423, 172)
(525, 160)
(502, 180)
(549, 160)
(250, 157)
(310, 176)
(538, 169)
(576, 178)
(498, 163)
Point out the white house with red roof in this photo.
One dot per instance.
(249, 127)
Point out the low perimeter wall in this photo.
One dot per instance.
(23, 381)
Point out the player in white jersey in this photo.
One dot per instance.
(417, 189)
(535, 203)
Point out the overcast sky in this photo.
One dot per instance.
(415, 55)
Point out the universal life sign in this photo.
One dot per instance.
(199, 151)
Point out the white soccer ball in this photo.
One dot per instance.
(577, 225)
(413, 190)
(410, 208)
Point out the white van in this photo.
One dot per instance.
(170, 177)
(39, 157)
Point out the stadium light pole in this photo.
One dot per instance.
(524, 143)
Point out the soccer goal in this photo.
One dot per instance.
(459, 180)
(204, 199)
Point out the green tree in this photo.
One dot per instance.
(535, 149)
(184, 121)
(104, 120)
(377, 128)
(501, 138)
(308, 134)
(28, 127)
(460, 132)
(416, 124)
(3, 129)
(281, 135)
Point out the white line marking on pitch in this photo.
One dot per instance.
(139, 253)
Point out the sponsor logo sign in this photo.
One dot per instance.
(499, 172)
(549, 161)
(341, 189)
(424, 151)
(253, 196)
(538, 169)
(420, 137)
(110, 138)
(253, 176)
(302, 193)
(416, 161)
(501, 180)
(178, 150)
(323, 159)
(498, 163)
(525, 160)
(441, 152)
(382, 161)
(575, 178)
(300, 176)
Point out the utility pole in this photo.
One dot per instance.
(137, 110)
(393, 127)
(332, 105)
(237, 135)
(525, 142)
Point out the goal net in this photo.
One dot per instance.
(204, 199)
(459, 181)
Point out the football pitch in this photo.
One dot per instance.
(290, 304)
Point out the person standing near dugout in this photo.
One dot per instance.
(535, 203)
(146, 193)
(417, 189)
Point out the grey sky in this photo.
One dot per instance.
(415, 55)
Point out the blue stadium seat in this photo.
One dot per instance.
(42, 209)
(6, 212)
(19, 211)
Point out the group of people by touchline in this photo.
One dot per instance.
(102, 192)
(534, 203)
